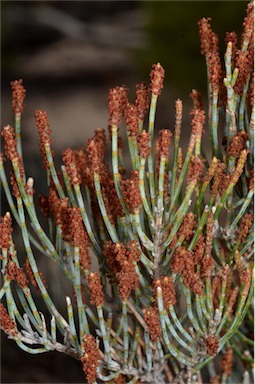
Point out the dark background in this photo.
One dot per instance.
(69, 53)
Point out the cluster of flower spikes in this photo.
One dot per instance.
(121, 260)
(69, 219)
(12, 270)
(242, 59)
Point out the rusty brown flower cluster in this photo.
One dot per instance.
(95, 148)
(240, 166)
(69, 159)
(245, 226)
(14, 184)
(121, 260)
(131, 192)
(12, 154)
(196, 97)
(95, 289)
(13, 272)
(244, 57)
(90, 359)
(178, 117)
(164, 142)
(142, 100)
(210, 49)
(205, 31)
(186, 229)
(93, 155)
(131, 119)
(211, 170)
(151, 317)
(184, 262)
(242, 62)
(6, 322)
(10, 143)
(117, 101)
(212, 345)
(44, 131)
(221, 179)
(199, 249)
(157, 76)
(166, 283)
(238, 144)
(79, 236)
(111, 200)
(248, 24)
(195, 169)
(81, 162)
(214, 64)
(18, 96)
(198, 119)
(58, 209)
(5, 231)
(144, 144)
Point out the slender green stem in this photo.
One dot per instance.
(110, 227)
(150, 159)
(17, 133)
(105, 335)
(83, 322)
(125, 332)
(86, 221)
(142, 188)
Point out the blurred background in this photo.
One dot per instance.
(69, 53)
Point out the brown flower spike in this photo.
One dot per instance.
(164, 142)
(13, 272)
(6, 322)
(131, 192)
(151, 317)
(90, 359)
(95, 289)
(44, 131)
(142, 100)
(18, 96)
(144, 144)
(168, 291)
(157, 78)
(68, 157)
(212, 345)
(5, 231)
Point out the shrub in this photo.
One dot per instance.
(173, 237)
